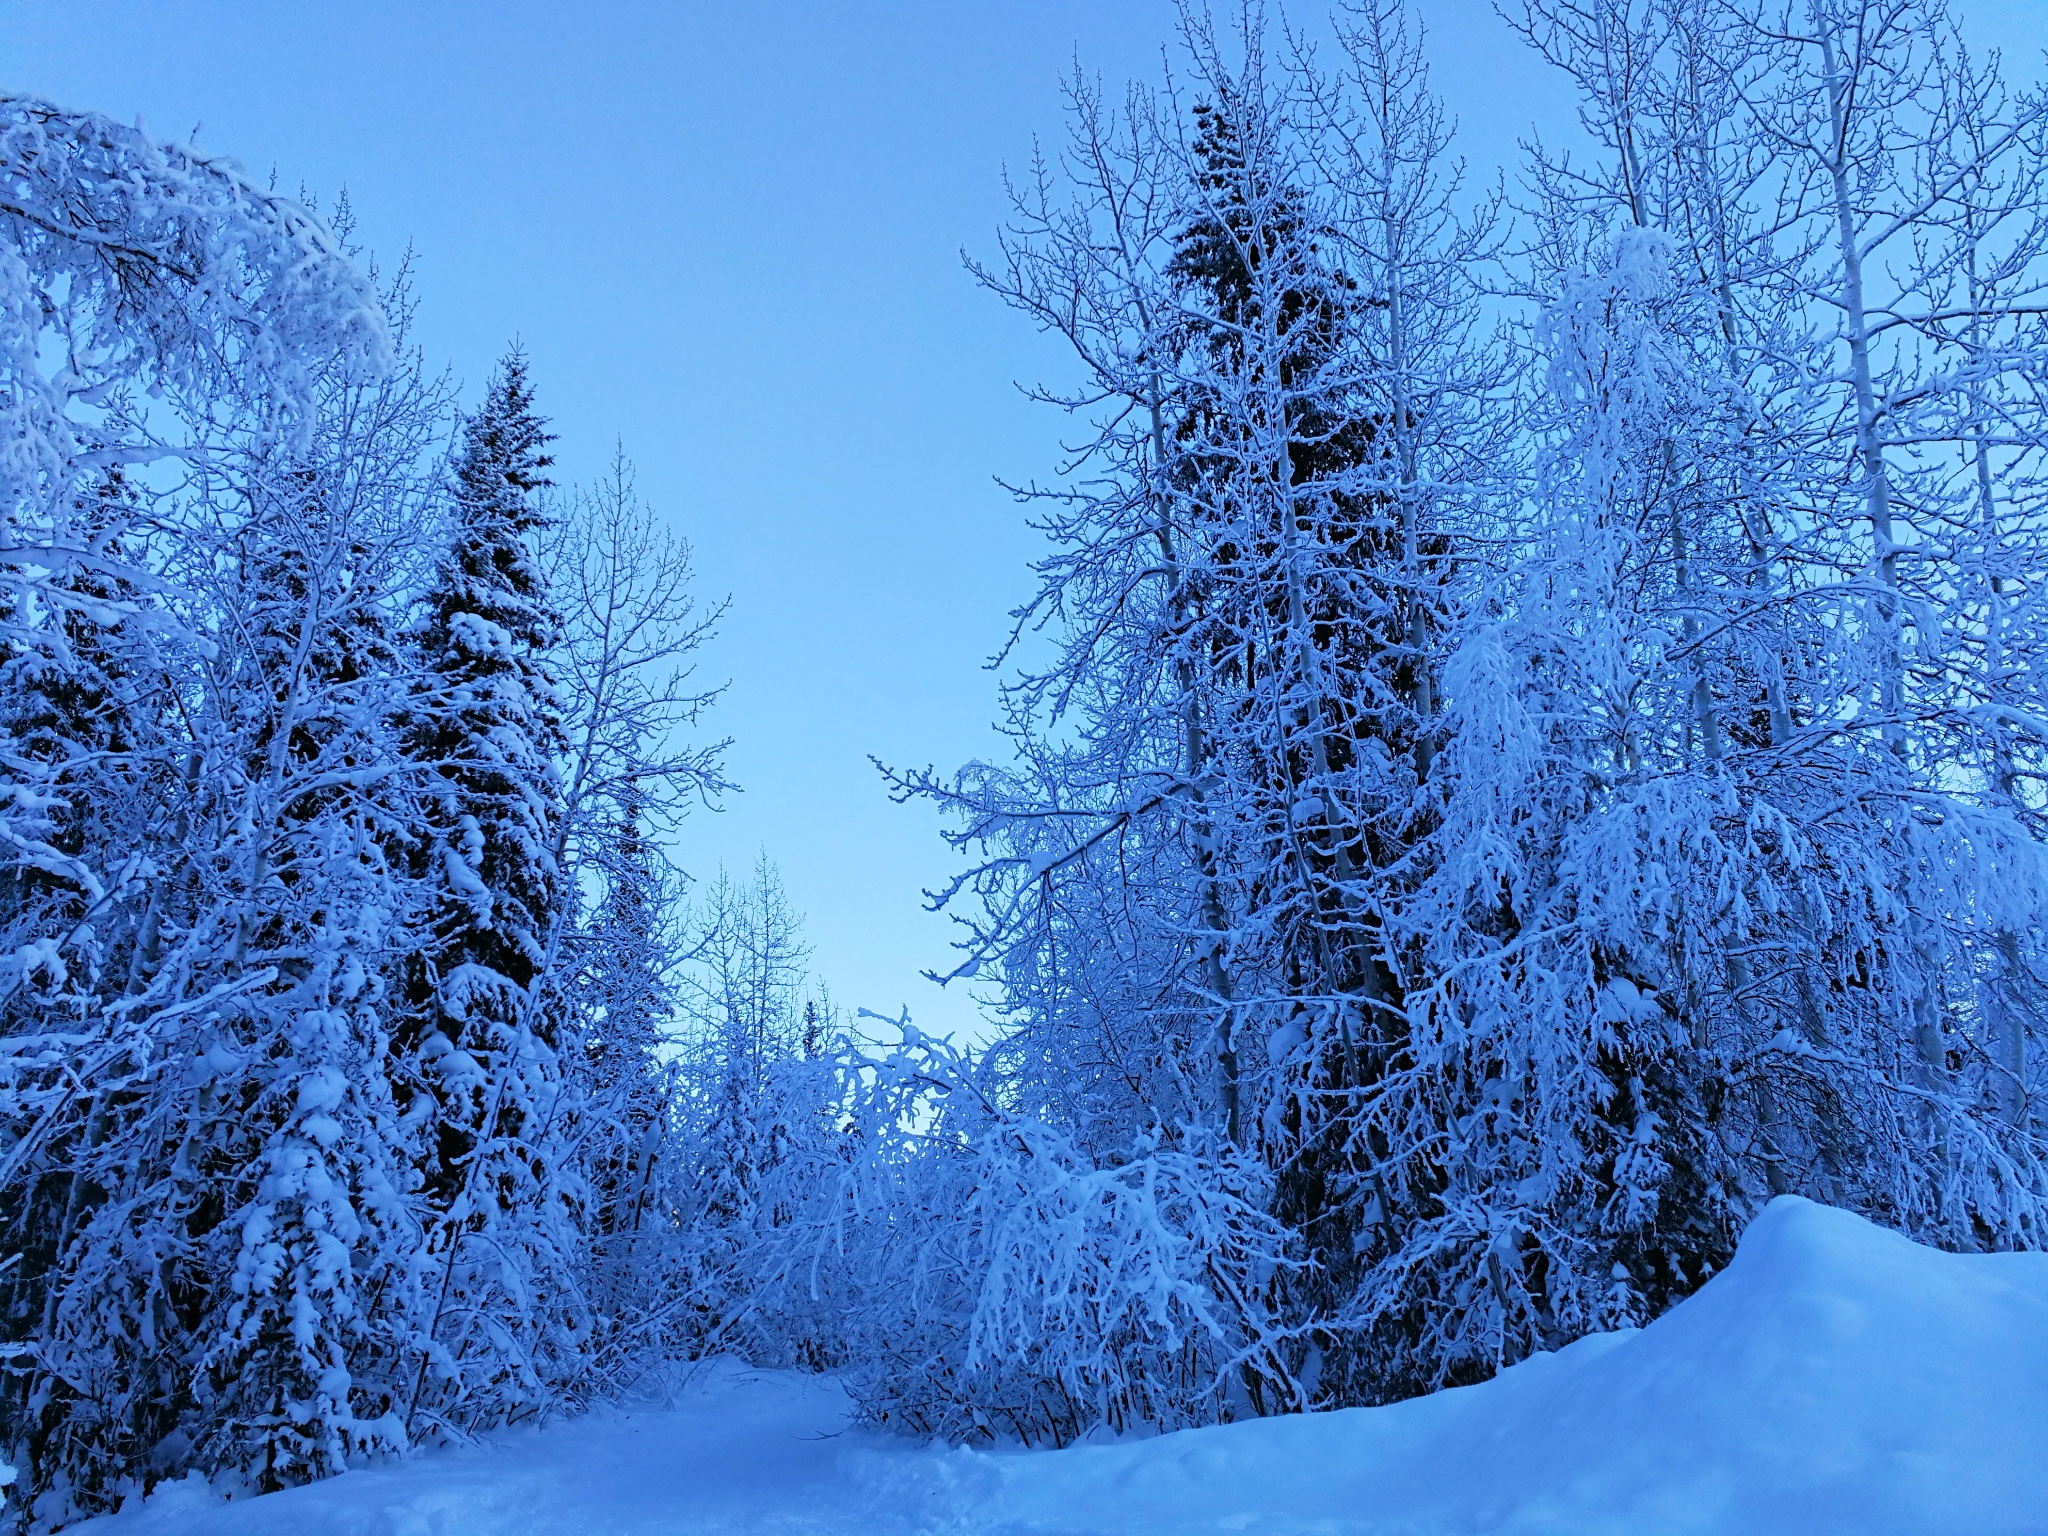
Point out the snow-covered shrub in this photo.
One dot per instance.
(987, 1277)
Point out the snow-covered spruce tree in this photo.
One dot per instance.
(322, 1306)
(1437, 387)
(1197, 878)
(316, 1301)
(483, 1020)
(1300, 606)
(627, 1002)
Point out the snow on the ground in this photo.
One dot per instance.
(1836, 1378)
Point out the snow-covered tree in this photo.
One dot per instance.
(630, 1007)
(1541, 833)
(1197, 871)
(1835, 315)
(484, 1018)
(169, 329)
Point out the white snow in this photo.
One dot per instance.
(1836, 1378)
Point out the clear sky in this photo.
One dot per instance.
(728, 236)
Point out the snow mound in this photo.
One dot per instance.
(1836, 1378)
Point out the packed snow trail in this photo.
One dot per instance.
(1835, 1379)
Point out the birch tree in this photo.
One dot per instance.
(1823, 179)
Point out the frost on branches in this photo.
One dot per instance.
(1537, 794)
(240, 1223)
(1528, 743)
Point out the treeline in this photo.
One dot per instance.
(338, 969)
(1531, 742)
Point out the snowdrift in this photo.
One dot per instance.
(1836, 1378)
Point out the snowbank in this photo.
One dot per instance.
(1836, 1378)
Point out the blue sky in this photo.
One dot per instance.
(728, 236)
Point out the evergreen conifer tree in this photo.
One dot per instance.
(77, 675)
(482, 1025)
(487, 722)
(627, 1009)
(1301, 593)
(313, 1292)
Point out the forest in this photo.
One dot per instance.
(1527, 743)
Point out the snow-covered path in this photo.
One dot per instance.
(1836, 1379)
